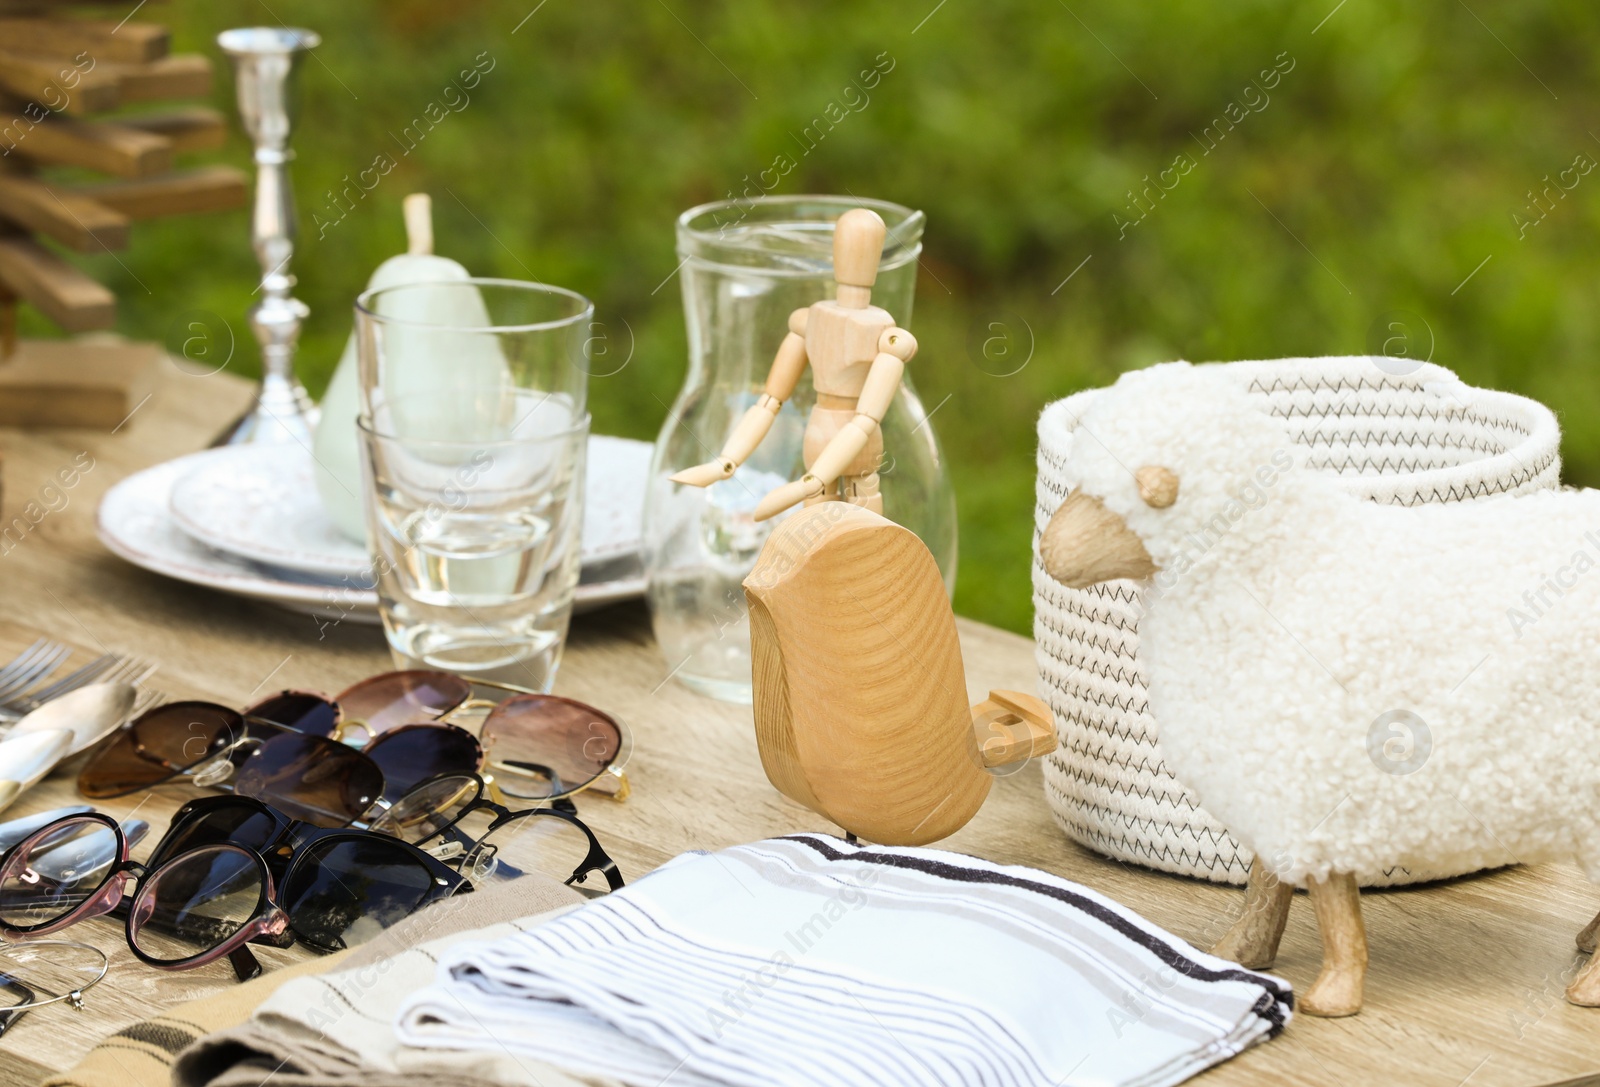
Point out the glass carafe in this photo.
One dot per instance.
(746, 265)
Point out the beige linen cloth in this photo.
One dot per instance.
(328, 1021)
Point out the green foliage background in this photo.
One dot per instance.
(1388, 164)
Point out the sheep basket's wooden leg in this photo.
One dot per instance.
(1338, 988)
(1585, 988)
(1590, 935)
(1253, 940)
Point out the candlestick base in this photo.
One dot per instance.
(283, 412)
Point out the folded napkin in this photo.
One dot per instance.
(335, 1029)
(805, 960)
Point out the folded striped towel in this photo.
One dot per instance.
(806, 960)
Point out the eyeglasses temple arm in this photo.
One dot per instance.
(245, 965)
(624, 790)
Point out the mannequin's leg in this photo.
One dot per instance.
(863, 491)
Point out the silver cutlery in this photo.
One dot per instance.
(108, 668)
(32, 665)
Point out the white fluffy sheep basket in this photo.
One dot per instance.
(1395, 437)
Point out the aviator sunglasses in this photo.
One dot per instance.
(286, 747)
(538, 746)
(230, 870)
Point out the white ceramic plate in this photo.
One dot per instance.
(134, 522)
(260, 502)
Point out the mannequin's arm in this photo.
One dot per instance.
(895, 348)
(781, 380)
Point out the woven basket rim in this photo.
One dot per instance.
(1543, 434)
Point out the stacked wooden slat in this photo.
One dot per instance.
(54, 72)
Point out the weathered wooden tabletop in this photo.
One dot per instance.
(1467, 976)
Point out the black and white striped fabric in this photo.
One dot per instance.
(806, 960)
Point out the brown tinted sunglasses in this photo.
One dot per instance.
(538, 746)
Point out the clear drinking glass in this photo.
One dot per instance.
(476, 334)
(746, 265)
(476, 541)
(473, 439)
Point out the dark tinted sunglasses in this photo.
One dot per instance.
(229, 870)
(313, 777)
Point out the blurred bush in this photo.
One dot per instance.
(1405, 158)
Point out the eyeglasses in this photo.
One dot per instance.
(452, 817)
(541, 747)
(229, 870)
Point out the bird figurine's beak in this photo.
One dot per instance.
(1085, 544)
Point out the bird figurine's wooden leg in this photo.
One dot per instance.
(1253, 940)
(1338, 988)
(1011, 727)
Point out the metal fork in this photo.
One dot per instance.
(71, 681)
(32, 665)
(108, 668)
(147, 698)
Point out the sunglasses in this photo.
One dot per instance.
(455, 818)
(229, 870)
(541, 747)
(315, 778)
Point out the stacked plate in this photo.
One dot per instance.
(247, 520)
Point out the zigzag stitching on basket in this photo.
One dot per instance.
(1120, 590)
(1106, 820)
(1069, 603)
(1385, 466)
(1136, 701)
(1103, 643)
(1323, 383)
(1119, 674)
(1173, 798)
(1144, 764)
(1164, 858)
(1410, 439)
(1361, 409)
(1135, 850)
(1461, 494)
(1110, 789)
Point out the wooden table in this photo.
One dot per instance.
(1467, 976)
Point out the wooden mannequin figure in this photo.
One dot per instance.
(857, 355)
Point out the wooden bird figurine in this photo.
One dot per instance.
(860, 696)
(857, 355)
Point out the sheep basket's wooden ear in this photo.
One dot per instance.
(1158, 486)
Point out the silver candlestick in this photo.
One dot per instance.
(264, 62)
